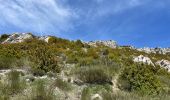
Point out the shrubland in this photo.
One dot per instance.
(95, 67)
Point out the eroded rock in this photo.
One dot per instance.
(143, 59)
(164, 64)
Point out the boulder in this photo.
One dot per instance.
(143, 59)
(96, 97)
(164, 64)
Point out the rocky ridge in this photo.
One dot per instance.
(18, 37)
(108, 43)
(21, 37)
(154, 50)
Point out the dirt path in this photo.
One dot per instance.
(115, 82)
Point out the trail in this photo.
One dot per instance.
(115, 82)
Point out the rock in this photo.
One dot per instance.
(78, 82)
(143, 59)
(154, 50)
(18, 37)
(45, 38)
(164, 64)
(43, 77)
(30, 78)
(110, 43)
(96, 97)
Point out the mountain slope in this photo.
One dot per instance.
(77, 70)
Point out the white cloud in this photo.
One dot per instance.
(36, 15)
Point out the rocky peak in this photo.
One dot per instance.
(18, 37)
(108, 43)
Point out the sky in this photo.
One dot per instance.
(141, 23)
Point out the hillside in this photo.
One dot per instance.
(51, 68)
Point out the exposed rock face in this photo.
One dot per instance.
(155, 50)
(18, 37)
(45, 38)
(96, 97)
(164, 64)
(110, 43)
(143, 59)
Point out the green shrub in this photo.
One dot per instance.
(94, 75)
(43, 58)
(8, 62)
(95, 89)
(37, 72)
(140, 78)
(41, 92)
(62, 85)
(85, 94)
(15, 83)
(3, 37)
(4, 92)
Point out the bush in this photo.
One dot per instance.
(4, 93)
(38, 72)
(41, 92)
(3, 37)
(15, 84)
(95, 89)
(7, 62)
(43, 58)
(140, 78)
(94, 75)
(62, 85)
(85, 94)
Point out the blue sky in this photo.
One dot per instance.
(129, 22)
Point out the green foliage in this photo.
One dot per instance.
(94, 75)
(95, 89)
(62, 85)
(12, 86)
(85, 94)
(3, 37)
(44, 59)
(140, 78)
(4, 95)
(41, 92)
(6, 62)
(15, 84)
(79, 43)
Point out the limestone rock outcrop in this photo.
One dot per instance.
(109, 43)
(155, 50)
(164, 64)
(17, 38)
(45, 38)
(143, 59)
